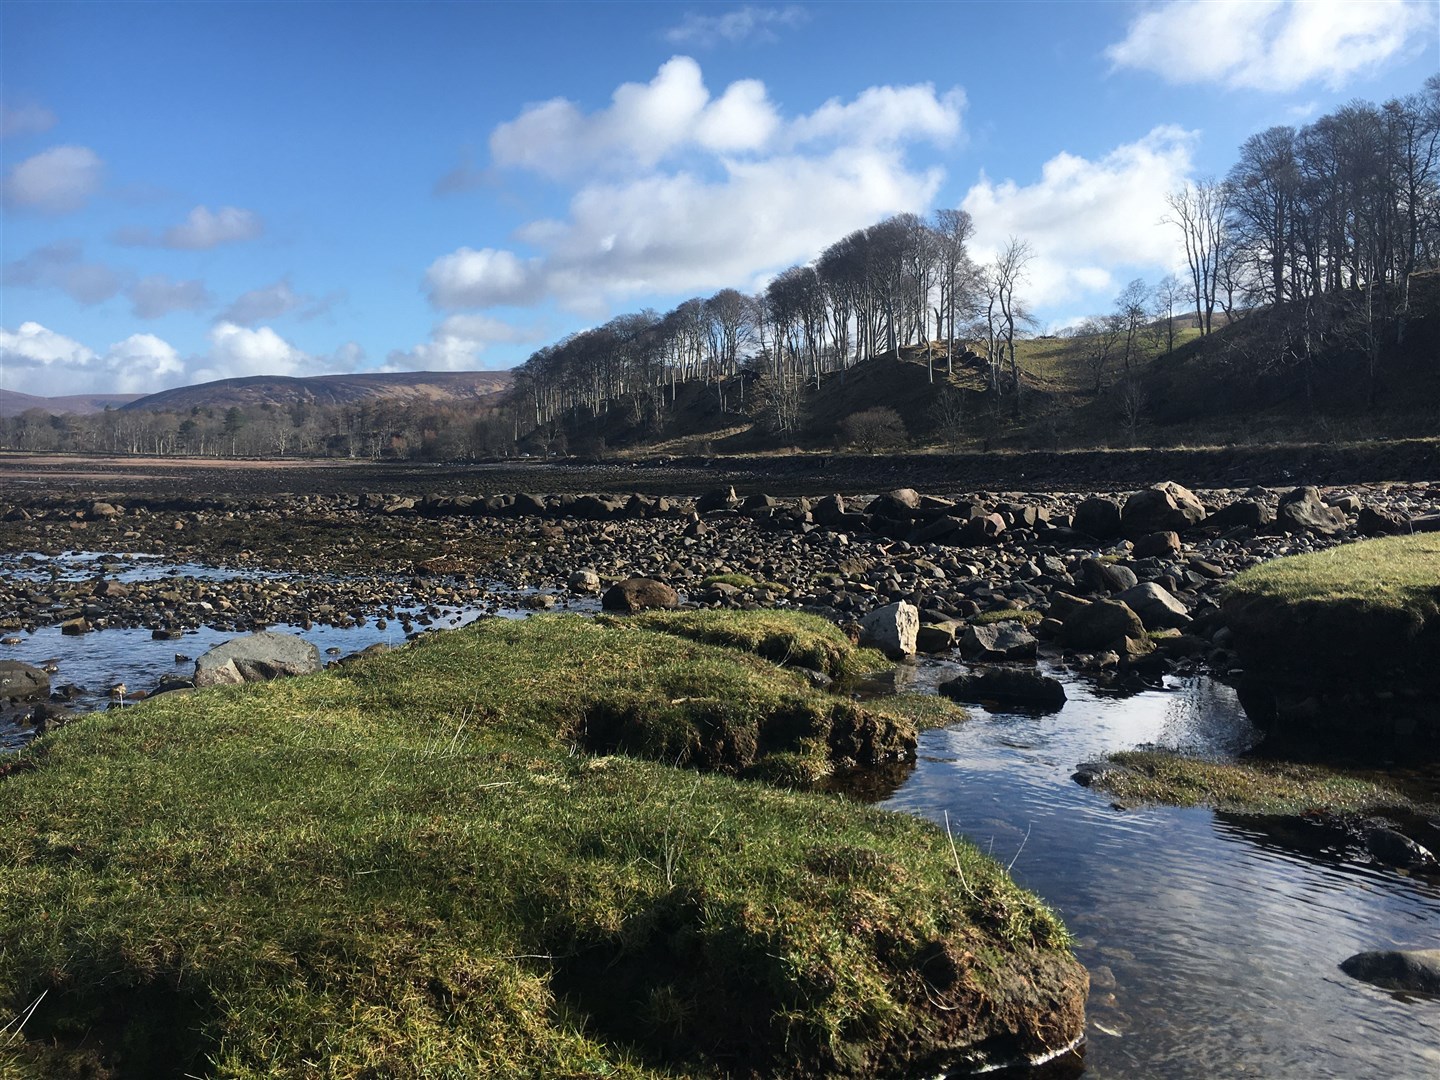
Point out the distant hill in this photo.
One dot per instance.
(13, 403)
(402, 387)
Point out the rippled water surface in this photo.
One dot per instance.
(1212, 940)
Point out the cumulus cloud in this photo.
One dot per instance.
(748, 23)
(1275, 45)
(62, 266)
(201, 230)
(55, 181)
(157, 295)
(37, 360)
(237, 351)
(1084, 217)
(684, 191)
(457, 344)
(25, 119)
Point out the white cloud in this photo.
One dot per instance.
(1083, 218)
(201, 230)
(265, 303)
(748, 23)
(62, 266)
(684, 192)
(1275, 45)
(25, 119)
(55, 181)
(237, 351)
(457, 344)
(37, 360)
(157, 295)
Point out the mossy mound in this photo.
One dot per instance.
(407, 867)
(1367, 612)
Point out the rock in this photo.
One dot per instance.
(256, 657)
(897, 505)
(1017, 686)
(1098, 517)
(1241, 514)
(20, 681)
(1347, 504)
(719, 499)
(1373, 522)
(105, 510)
(74, 627)
(1095, 773)
(1106, 577)
(1102, 625)
(639, 594)
(1157, 609)
(999, 641)
(893, 629)
(1415, 970)
(1396, 849)
(1302, 510)
(586, 582)
(935, 637)
(1158, 545)
(110, 589)
(1163, 507)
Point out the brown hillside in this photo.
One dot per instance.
(402, 387)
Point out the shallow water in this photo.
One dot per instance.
(1213, 940)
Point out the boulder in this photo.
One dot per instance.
(1415, 970)
(999, 641)
(639, 594)
(584, 581)
(1303, 510)
(1396, 849)
(20, 681)
(1163, 507)
(1158, 545)
(829, 511)
(898, 505)
(255, 658)
(105, 510)
(719, 499)
(1098, 517)
(110, 589)
(1101, 625)
(1012, 686)
(1373, 522)
(893, 629)
(935, 637)
(1157, 609)
(1106, 577)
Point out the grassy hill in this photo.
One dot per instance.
(283, 391)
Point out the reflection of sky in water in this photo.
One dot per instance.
(1223, 938)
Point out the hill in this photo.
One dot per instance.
(13, 403)
(284, 391)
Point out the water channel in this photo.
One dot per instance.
(1213, 940)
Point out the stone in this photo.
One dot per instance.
(897, 505)
(893, 629)
(1396, 849)
(105, 510)
(1012, 686)
(1162, 507)
(999, 641)
(20, 681)
(255, 658)
(719, 499)
(586, 582)
(639, 594)
(1373, 522)
(1241, 514)
(1097, 773)
(935, 637)
(1099, 517)
(1158, 609)
(1302, 510)
(1415, 970)
(1106, 577)
(1102, 625)
(1158, 545)
(111, 589)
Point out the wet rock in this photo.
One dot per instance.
(935, 637)
(585, 582)
(1163, 507)
(639, 594)
(74, 627)
(1096, 773)
(1157, 608)
(1303, 510)
(256, 657)
(1101, 625)
(892, 629)
(109, 589)
(1013, 686)
(1396, 849)
(1415, 970)
(999, 641)
(22, 682)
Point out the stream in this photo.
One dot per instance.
(1213, 940)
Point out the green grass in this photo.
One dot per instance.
(1024, 616)
(1355, 610)
(1258, 787)
(739, 581)
(411, 867)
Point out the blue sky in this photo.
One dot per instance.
(201, 190)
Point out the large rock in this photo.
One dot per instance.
(1157, 609)
(1012, 686)
(639, 594)
(1415, 970)
(892, 629)
(22, 682)
(1164, 507)
(1101, 625)
(999, 641)
(255, 658)
(584, 581)
(1106, 577)
(1303, 510)
(1241, 514)
(719, 499)
(1099, 517)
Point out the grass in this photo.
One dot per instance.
(1024, 616)
(1258, 787)
(1355, 610)
(411, 867)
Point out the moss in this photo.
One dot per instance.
(1024, 616)
(738, 581)
(1269, 787)
(407, 867)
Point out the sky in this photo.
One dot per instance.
(195, 191)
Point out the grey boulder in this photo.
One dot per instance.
(892, 629)
(1416, 970)
(256, 658)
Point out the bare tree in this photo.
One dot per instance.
(1168, 293)
(953, 229)
(1009, 275)
(1198, 211)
